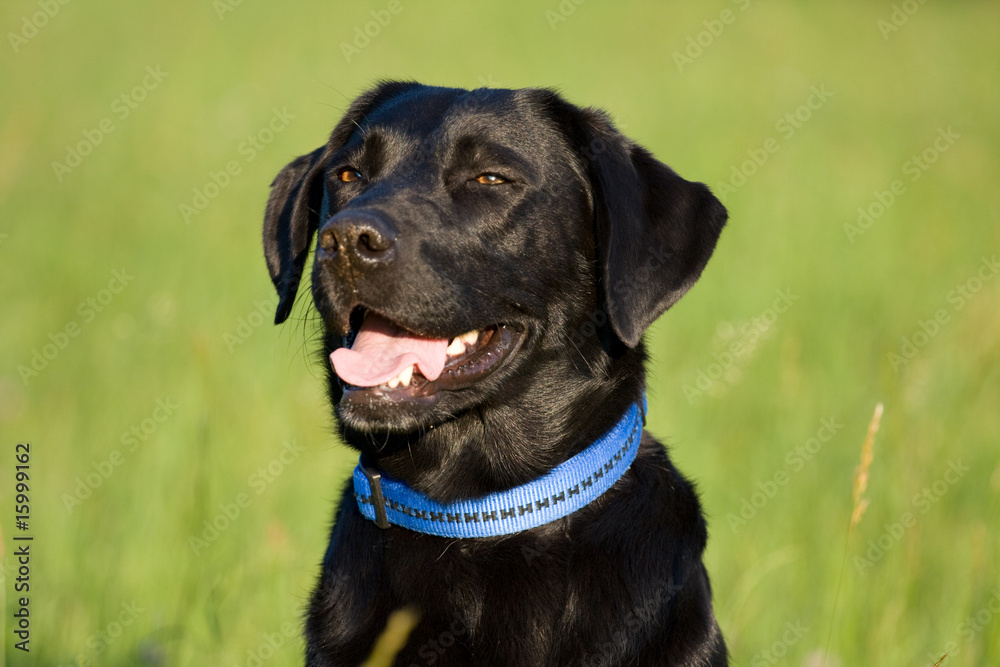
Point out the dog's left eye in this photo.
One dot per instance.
(349, 175)
(490, 179)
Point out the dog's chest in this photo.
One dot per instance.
(497, 604)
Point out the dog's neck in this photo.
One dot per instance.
(478, 452)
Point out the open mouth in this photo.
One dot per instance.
(381, 358)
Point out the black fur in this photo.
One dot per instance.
(585, 244)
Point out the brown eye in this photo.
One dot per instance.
(349, 175)
(490, 179)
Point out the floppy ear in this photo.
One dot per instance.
(654, 230)
(291, 219)
(293, 209)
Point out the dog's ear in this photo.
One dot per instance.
(290, 220)
(294, 206)
(654, 230)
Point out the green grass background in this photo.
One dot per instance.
(165, 335)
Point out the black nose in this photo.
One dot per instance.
(363, 235)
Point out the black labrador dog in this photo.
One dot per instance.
(486, 263)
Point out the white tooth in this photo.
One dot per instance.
(456, 347)
(393, 383)
(405, 376)
(470, 338)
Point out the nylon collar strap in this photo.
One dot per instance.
(560, 492)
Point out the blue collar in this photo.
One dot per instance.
(560, 492)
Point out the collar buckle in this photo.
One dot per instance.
(374, 478)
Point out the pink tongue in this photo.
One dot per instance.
(383, 349)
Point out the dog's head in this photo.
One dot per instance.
(475, 245)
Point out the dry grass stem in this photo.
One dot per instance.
(392, 640)
(861, 475)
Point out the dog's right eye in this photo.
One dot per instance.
(349, 175)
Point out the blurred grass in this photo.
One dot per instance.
(167, 335)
